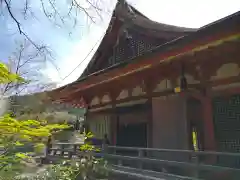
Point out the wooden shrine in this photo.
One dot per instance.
(155, 85)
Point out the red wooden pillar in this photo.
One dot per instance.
(150, 125)
(149, 130)
(209, 139)
(114, 117)
(113, 125)
(208, 125)
(113, 128)
(150, 83)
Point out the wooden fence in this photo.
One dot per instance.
(152, 163)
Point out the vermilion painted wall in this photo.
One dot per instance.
(170, 125)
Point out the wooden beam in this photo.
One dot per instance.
(137, 67)
(135, 98)
(201, 57)
(204, 84)
(225, 81)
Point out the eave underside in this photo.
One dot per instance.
(120, 76)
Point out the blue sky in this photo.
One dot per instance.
(70, 51)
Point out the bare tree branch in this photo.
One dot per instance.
(27, 62)
(12, 16)
(75, 3)
(19, 59)
(52, 12)
(69, 16)
(42, 49)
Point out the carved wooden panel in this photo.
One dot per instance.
(190, 79)
(95, 101)
(130, 45)
(137, 91)
(123, 94)
(106, 98)
(227, 70)
(163, 85)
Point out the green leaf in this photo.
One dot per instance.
(39, 147)
(17, 143)
(6, 76)
(21, 155)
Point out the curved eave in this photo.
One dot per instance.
(227, 25)
(156, 58)
(146, 23)
(137, 21)
(230, 22)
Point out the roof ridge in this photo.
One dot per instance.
(130, 14)
(129, 17)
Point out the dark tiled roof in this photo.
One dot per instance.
(136, 20)
(229, 22)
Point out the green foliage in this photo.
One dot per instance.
(74, 170)
(87, 147)
(6, 76)
(88, 135)
(16, 133)
(85, 167)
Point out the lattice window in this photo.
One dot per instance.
(227, 125)
(132, 46)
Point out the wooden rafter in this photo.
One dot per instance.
(102, 82)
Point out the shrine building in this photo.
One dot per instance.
(157, 85)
